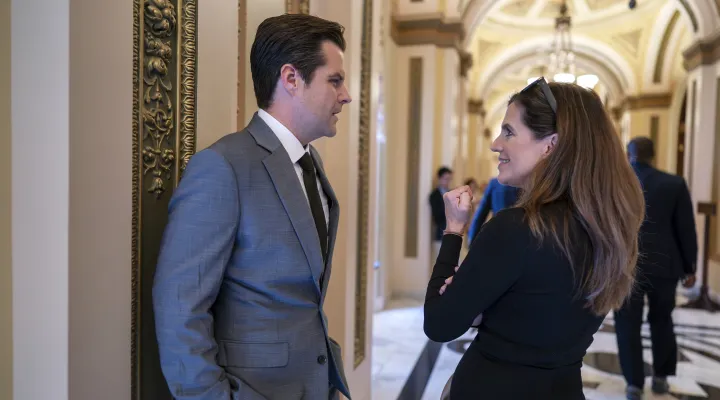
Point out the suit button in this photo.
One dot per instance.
(322, 360)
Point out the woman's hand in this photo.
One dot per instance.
(458, 208)
(447, 282)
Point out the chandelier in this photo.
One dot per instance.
(561, 65)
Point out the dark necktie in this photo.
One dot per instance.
(311, 188)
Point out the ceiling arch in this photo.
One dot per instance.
(496, 104)
(595, 56)
(672, 26)
(705, 12)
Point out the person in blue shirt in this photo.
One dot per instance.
(496, 197)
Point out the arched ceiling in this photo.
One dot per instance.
(619, 45)
(524, 13)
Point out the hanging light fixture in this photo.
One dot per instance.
(562, 58)
(561, 65)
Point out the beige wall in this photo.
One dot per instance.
(100, 149)
(40, 197)
(71, 171)
(217, 70)
(5, 213)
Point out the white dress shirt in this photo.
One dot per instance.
(295, 150)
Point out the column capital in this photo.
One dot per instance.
(643, 101)
(431, 28)
(704, 51)
(476, 107)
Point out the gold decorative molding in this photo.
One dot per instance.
(617, 113)
(476, 107)
(466, 62)
(702, 52)
(487, 133)
(297, 6)
(363, 197)
(164, 139)
(427, 29)
(241, 60)
(660, 60)
(645, 101)
(691, 14)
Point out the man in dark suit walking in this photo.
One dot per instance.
(437, 207)
(668, 253)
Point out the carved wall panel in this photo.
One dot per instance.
(363, 185)
(164, 138)
(297, 6)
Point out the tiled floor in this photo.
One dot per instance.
(408, 367)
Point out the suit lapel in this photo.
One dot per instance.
(334, 215)
(289, 189)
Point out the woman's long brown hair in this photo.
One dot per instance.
(588, 170)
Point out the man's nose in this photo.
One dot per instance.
(345, 96)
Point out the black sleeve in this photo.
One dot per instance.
(495, 261)
(685, 233)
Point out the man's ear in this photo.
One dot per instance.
(551, 142)
(289, 78)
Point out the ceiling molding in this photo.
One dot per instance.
(702, 52)
(427, 29)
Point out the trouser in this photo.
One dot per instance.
(628, 322)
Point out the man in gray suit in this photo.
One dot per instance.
(245, 261)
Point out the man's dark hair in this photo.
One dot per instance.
(641, 149)
(442, 171)
(289, 39)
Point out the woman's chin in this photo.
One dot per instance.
(507, 180)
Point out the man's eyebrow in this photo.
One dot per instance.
(337, 75)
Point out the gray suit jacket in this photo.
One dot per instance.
(237, 296)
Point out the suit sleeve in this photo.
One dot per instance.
(196, 247)
(482, 213)
(685, 233)
(494, 263)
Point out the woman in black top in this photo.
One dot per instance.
(545, 273)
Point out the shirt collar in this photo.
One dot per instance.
(291, 143)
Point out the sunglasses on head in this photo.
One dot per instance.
(546, 92)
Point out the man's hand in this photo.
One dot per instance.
(689, 281)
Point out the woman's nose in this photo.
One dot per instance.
(495, 146)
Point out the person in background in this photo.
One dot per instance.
(545, 273)
(496, 197)
(437, 207)
(668, 243)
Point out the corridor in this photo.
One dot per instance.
(406, 366)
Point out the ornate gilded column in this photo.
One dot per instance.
(164, 137)
(297, 6)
